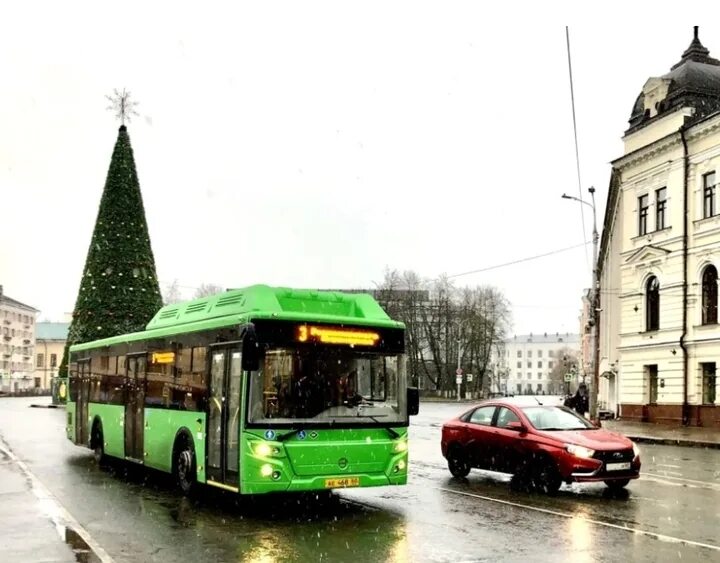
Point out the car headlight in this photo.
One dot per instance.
(579, 451)
(636, 450)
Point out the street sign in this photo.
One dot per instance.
(458, 379)
(458, 371)
(469, 377)
(568, 377)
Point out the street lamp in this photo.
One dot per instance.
(458, 371)
(594, 307)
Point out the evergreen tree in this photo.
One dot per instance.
(119, 290)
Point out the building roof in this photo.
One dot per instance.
(544, 338)
(694, 82)
(51, 331)
(5, 300)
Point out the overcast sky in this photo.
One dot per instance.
(317, 144)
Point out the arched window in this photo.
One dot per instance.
(710, 295)
(652, 304)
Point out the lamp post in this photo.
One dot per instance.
(458, 371)
(594, 307)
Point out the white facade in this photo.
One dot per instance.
(659, 340)
(17, 345)
(527, 360)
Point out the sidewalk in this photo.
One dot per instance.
(692, 436)
(29, 533)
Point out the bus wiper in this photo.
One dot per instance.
(389, 430)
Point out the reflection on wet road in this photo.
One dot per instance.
(671, 513)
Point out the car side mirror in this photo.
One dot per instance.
(515, 425)
(413, 401)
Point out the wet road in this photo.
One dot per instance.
(671, 513)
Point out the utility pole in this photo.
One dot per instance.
(594, 313)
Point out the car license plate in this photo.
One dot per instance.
(617, 466)
(344, 482)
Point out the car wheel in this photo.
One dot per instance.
(546, 477)
(457, 463)
(617, 484)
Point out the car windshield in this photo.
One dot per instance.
(323, 385)
(555, 418)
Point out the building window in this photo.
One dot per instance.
(529, 364)
(550, 365)
(709, 195)
(660, 204)
(53, 360)
(652, 304)
(529, 353)
(519, 387)
(708, 383)
(539, 387)
(519, 354)
(551, 353)
(651, 376)
(709, 295)
(539, 364)
(40, 361)
(539, 353)
(519, 364)
(642, 214)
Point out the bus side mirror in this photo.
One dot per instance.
(250, 350)
(413, 401)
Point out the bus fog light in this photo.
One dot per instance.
(266, 470)
(276, 475)
(401, 464)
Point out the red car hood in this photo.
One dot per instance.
(597, 439)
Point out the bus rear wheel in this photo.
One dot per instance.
(184, 467)
(97, 443)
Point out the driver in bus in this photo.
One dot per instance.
(350, 396)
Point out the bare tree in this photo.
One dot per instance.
(207, 289)
(172, 294)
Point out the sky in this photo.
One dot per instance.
(317, 144)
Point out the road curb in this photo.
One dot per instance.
(675, 442)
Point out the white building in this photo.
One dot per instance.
(660, 252)
(526, 361)
(17, 344)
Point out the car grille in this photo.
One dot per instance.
(614, 456)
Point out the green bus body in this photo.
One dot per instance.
(226, 378)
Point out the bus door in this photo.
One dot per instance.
(135, 407)
(83, 396)
(223, 417)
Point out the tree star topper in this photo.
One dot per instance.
(122, 106)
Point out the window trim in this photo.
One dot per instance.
(709, 296)
(709, 195)
(660, 208)
(643, 214)
(652, 307)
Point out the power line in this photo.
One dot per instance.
(577, 150)
(519, 260)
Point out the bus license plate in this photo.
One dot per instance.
(618, 466)
(344, 482)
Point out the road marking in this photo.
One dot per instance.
(711, 484)
(60, 517)
(568, 515)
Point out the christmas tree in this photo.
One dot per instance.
(119, 290)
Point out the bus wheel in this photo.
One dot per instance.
(97, 443)
(184, 464)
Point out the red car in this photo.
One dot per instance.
(544, 444)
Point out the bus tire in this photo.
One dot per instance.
(184, 465)
(97, 442)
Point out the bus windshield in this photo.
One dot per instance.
(322, 385)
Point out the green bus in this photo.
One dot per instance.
(254, 390)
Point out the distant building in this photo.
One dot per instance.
(17, 325)
(50, 339)
(525, 362)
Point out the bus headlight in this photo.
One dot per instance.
(264, 449)
(401, 446)
(266, 470)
